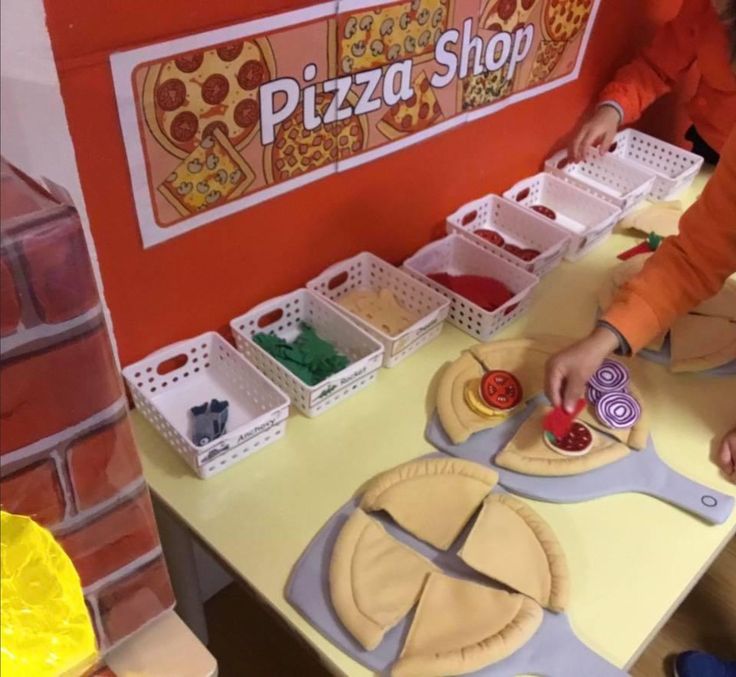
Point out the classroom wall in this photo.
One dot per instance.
(391, 206)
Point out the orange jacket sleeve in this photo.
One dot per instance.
(687, 268)
(653, 73)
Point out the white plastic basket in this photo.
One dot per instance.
(283, 316)
(619, 181)
(588, 218)
(457, 255)
(167, 383)
(518, 226)
(367, 271)
(675, 168)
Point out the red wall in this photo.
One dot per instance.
(391, 206)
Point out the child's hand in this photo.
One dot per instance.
(726, 458)
(598, 131)
(568, 372)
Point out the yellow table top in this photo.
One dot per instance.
(632, 558)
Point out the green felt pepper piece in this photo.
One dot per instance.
(654, 240)
(309, 357)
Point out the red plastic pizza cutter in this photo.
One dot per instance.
(558, 421)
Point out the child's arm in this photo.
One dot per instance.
(637, 84)
(687, 268)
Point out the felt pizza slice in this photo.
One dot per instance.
(527, 452)
(634, 436)
(432, 499)
(531, 560)
(417, 113)
(698, 343)
(374, 579)
(461, 626)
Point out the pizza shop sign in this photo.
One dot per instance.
(222, 120)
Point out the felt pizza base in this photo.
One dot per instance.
(525, 358)
(642, 472)
(551, 651)
(663, 356)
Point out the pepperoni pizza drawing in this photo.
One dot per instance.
(506, 15)
(419, 112)
(561, 23)
(187, 98)
(297, 150)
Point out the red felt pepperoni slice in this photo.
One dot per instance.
(577, 440)
(513, 249)
(500, 389)
(545, 211)
(491, 236)
(528, 254)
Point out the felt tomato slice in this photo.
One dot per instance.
(545, 211)
(500, 390)
(491, 236)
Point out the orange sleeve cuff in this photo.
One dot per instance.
(635, 320)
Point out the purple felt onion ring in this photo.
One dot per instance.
(610, 377)
(617, 410)
(593, 394)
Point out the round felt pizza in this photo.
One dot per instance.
(562, 20)
(297, 150)
(188, 97)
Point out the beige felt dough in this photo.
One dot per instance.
(380, 309)
(528, 454)
(662, 219)
(525, 358)
(461, 627)
(698, 342)
(635, 436)
(374, 579)
(432, 498)
(512, 544)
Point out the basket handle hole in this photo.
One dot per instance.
(563, 162)
(523, 194)
(270, 318)
(337, 281)
(613, 147)
(470, 217)
(172, 364)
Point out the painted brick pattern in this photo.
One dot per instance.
(67, 454)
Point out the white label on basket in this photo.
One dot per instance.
(414, 337)
(241, 439)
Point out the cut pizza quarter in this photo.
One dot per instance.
(562, 20)
(431, 498)
(185, 99)
(210, 175)
(461, 626)
(513, 545)
(375, 580)
(419, 112)
(528, 454)
(698, 343)
(297, 150)
(373, 38)
(506, 15)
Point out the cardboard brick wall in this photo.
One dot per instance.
(67, 454)
(392, 206)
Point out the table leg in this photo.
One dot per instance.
(177, 545)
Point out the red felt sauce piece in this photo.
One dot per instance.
(559, 422)
(491, 236)
(578, 439)
(486, 292)
(528, 254)
(545, 211)
(500, 389)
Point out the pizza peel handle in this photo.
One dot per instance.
(671, 486)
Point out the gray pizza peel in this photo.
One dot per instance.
(553, 651)
(641, 471)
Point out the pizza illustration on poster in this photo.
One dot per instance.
(218, 121)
